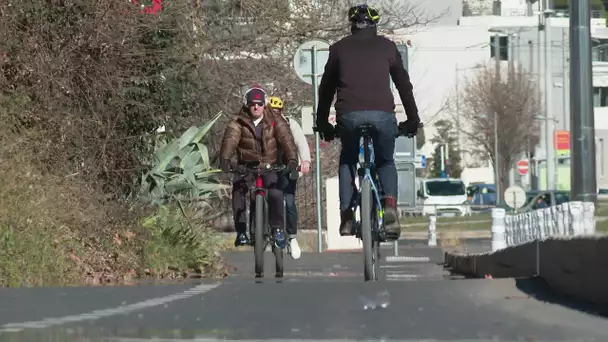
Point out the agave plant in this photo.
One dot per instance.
(181, 172)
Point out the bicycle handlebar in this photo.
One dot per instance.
(260, 169)
(337, 135)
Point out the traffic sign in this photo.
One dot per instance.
(515, 197)
(523, 167)
(302, 59)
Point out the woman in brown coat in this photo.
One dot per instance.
(255, 134)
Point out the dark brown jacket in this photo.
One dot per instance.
(239, 136)
(358, 68)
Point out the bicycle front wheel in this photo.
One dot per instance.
(366, 230)
(260, 240)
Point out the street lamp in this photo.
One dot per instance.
(547, 147)
(550, 157)
(496, 163)
(511, 31)
(457, 86)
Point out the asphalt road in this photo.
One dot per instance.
(322, 297)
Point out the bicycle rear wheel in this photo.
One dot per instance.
(375, 245)
(366, 230)
(260, 241)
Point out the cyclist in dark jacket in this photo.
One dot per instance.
(358, 69)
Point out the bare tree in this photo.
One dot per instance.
(92, 81)
(513, 101)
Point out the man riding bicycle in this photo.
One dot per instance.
(277, 106)
(257, 135)
(358, 69)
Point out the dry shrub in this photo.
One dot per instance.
(57, 230)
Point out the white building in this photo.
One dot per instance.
(442, 54)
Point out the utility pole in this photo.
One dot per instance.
(564, 75)
(583, 171)
(549, 115)
(458, 115)
(532, 175)
(511, 56)
(496, 152)
(519, 64)
(539, 86)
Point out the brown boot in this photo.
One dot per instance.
(392, 226)
(346, 222)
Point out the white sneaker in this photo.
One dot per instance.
(294, 249)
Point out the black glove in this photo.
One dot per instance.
(292, 169)
(226, 165)
(409, 128)
(325, 129)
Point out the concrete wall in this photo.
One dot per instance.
(572, 266)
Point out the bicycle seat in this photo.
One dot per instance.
(364, 129)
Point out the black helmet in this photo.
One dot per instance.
(363, 14)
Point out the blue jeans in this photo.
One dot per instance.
(383, 138)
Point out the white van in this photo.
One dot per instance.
(443, 197)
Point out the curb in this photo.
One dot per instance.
(573, 266)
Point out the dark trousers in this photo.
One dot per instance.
(383, 140)
(274, 197)
(291, 210)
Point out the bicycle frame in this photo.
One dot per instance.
(367, 174)
(259, 189)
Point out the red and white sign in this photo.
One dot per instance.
(523, 167)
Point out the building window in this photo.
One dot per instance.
(503, 42)
(599, 54)
(599, 50)
(562, 8)
(600, 96)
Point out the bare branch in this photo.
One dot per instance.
(512, 101)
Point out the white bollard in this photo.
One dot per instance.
(561, 210)
(432, 230)
(589, 218)
(540, 223)
(575, 217)
(517, 228)
(547, 221)
(528, 227)
(509, 231)
(498, 229)
(552, 224)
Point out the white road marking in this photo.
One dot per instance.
(211, 339)
(97, 314)
(407, 276)
(407, 259)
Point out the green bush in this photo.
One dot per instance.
(183, 187)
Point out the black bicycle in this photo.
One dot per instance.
(259, 230)
(370, 229)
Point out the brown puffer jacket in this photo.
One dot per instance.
(239, 136)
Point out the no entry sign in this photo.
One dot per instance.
(523, 167)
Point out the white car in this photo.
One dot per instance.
(443, 197)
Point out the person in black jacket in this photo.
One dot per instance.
(358, 69)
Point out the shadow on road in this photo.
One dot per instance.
(540, 290)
